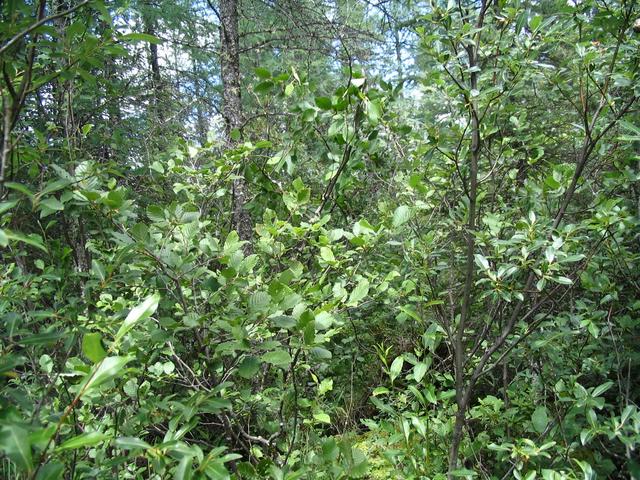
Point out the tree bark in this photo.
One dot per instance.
(463, 390)
(232, 111)
(150, 26)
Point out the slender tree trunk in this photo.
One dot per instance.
(232, 109)
(464, 389)
(64, 94)
(201, 126)
(150, 27)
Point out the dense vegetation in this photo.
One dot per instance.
(304, 239)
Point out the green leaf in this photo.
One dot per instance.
(481, 261)
(50, 471)
(45, 338)
(235, 135)
(19, 188)
(463, 472)
(535, 22)
(279, 358)
(183, 470)
(33, 239)
(540, 419)
(98, 270)
(263, 87)
(322, 417)
(396, 367)
(131, 443)
(321, 353)
(323, 103)
(599, 390)
(83, 440)
(374, 111)
(155, 213)
(249, 367)
(401, 215)
(92, 347)
(359, 292)
(8, 205)
(262, 73)
(137, 314)
(288, 90)
(323, 320)
(104, 371)
(259, 301)
(141, 37)
(325, 386)
(327, 254)
(14, 442)
(52, 203)
(419, 371)
(284, 321)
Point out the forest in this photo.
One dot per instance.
(319, 239)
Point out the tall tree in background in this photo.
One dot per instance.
(232, 109)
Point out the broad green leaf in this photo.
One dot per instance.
(259, 301)
(45, 338)
(14, 442)
(262, 72)
(401, 215)
(131, 443)
(249, 367)
(360, 292)
(323, 320)
(322, 417)
(155, 213)
(481, 261)
(33, 239)
(92, 347)
(284, 321)
(263, 87)
(19, 188)
(8, 205)
(374, 111)
(183, 470)
(599, 390)
(279, 358)
(98, 270)
(137, 314)
(324, 103)
(104, 371)
(321, 353)
(50, 471)
(83, 440)
(419, 370)
(52, 203)
(325, 386)
(288, 90)
(396, 367)
(540, 419)
(326, 254)
(9, 362)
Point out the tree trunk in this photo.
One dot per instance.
(150, 26)
(464, 388)
(232, 110)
